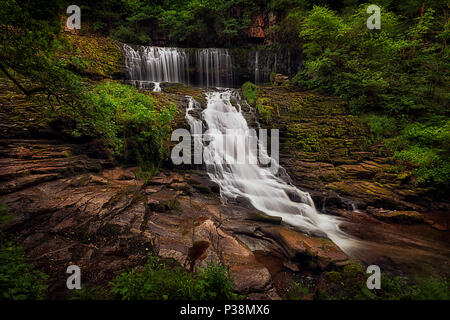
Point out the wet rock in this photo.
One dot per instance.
(258, 216)
(25, 182)
(120, 173)
(98, 180)
(439, 227)
(164, 205)
(181, 186)
(247, 279)
(306, 249)
(203, 189)
(393, 216)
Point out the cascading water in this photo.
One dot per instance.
(148, 66)
(215, 67)
(152, 65)
(256, 67)
(266, 192)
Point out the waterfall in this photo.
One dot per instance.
(151, 65)
(256, 67)
(215, 67)
(148, 66)
(266, 191)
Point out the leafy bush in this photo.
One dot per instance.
(135, 129)
(431, 289)
(351, 281)
(164, 281)
(425, 144)
(389, 70)
(250, 92)
(18, 280)
(214, 284)
(380, 126)
(89, 293)
(263, 109)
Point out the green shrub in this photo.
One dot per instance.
(18, 280)
(351, 281)
(431, 289)
(388, 70)
(425, 144)
(134, 128)
(214, 283)
(380, 126)
(89, 293)
(263, 109)
(164, 281)
(250, 92)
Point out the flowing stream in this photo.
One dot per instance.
(265, 190)
(228, 136)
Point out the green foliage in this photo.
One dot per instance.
(135, 129)
(425, 144)
(250, 92)
(263, 109)
(195, 21)
(18, 280)
(29, 41)
(147, 172)
(155, 281)
(4, 213)
(214, 283)
(380, 126)
(351, 284)
(395, 76)
(89, 293)
(163, 281)
(431, 289)
(297, 291)
(392, 70)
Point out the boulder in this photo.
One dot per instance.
(303, 248)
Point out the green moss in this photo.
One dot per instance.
(250, 92)
(93, 54)
(334, 277)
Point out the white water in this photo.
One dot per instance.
(145, 65)
(256, 67)
(215, 67)
(157, 87)
(266, 192)
(155, 64)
